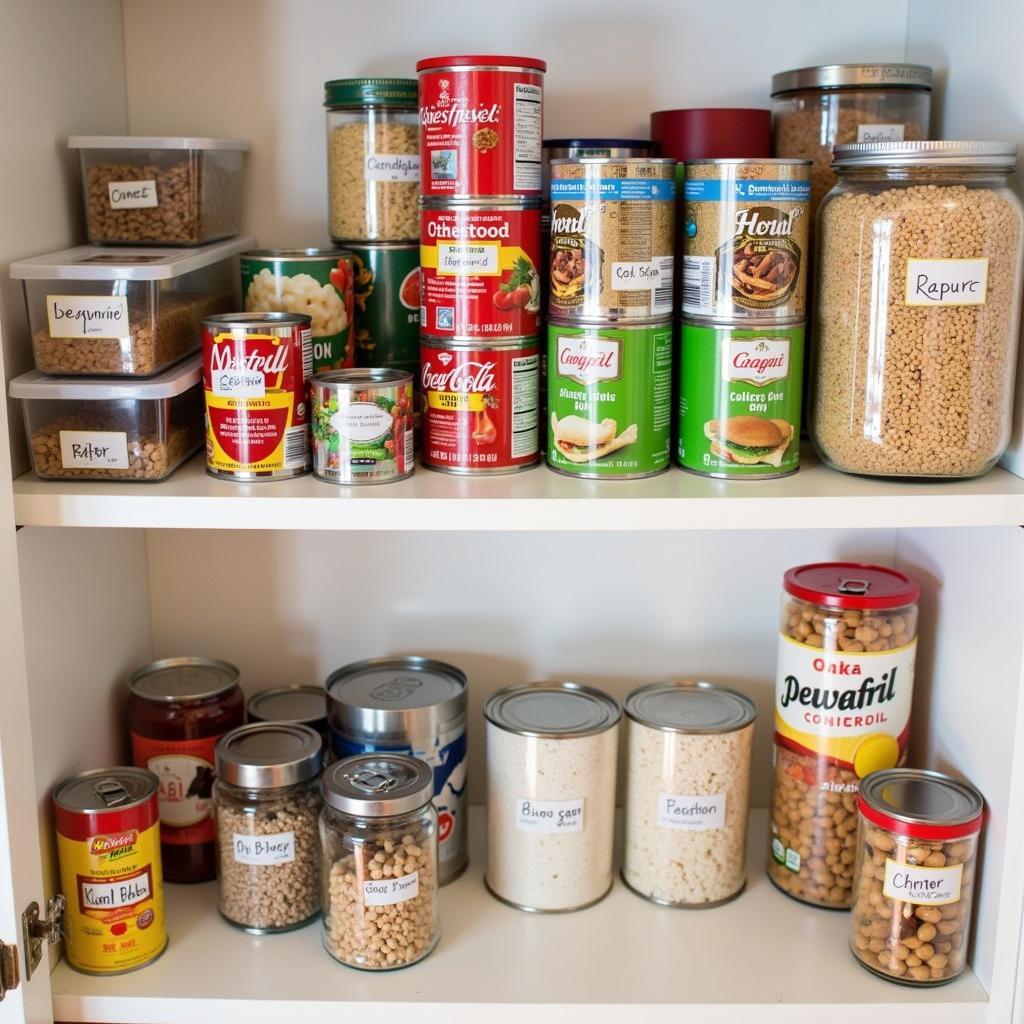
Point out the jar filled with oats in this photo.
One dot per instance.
(373, 159)
(919, 264)
(847, 643)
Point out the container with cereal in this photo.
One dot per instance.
(847, 644)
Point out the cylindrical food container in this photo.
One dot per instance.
(478, 276)
(362, 426)
(739, 399)
(687, 792)
(298, 704)
(609, 399)
(712, 133)
(745, 239)
(481, 126)
(373, 159)
(256, 370)
(414, 706)
(551, 757)
(815, 109)
(178, 708)
(918, 308)
(267, 807)
(378, 835)
(317, 282)
(612, 239)
(479, 405)
(845, 677)
(574, 149)
(387, 290)
(108, 844)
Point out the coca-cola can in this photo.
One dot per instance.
(480, 405)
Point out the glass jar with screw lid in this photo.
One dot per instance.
(379, 843)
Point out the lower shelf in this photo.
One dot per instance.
(762, 958)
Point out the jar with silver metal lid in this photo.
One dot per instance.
(687, 792)
(299, 703)
(267, 808)
(551, 759)
(378, 833)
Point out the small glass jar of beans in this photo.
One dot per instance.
(267, 809)
(379, 841)
(914, 877)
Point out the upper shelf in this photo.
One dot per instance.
(537, 499)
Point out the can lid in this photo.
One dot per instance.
(378, 785)
(105, 789)
(363, 376)
(182, 679)
(598, 144)
(298, 703)
(333, 253)
(371, 92)
(851, 585)
(921, 804)
(481, 60)
(241, 321)
(173, 381)
(269, 755)
(702, 132)
(552, 710)
(857, 76)
(926, 153)
(690, 707)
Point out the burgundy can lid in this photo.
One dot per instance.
(484, 60)
(851, 585)
(713, 133)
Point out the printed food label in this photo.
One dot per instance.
(391, 167)
(384, 892)
(93, 449)
(264, 850)
(880, 133)
(914, 883)
(468, 258)
(947, 282)
(94, 894)
(549, 817)
(87, 316)
(757, 361)
(132, 195)
(528, 140)
(691, 813)
(239, 383)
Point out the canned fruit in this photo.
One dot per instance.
(387, 298)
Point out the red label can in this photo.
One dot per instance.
(478, 271)
(481, 126)
(479, 405)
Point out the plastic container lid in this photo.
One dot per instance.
(378, 785)
(183, 679)
(306, 705)
(851, 585)
(702, 133)
(856, 76)
(372, 92)
(481, 60)
(552, 710)
(155, 142)
(693, 708)
(921, 804)
(269, 755)
(172, 382)
(936, 153)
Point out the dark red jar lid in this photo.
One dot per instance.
(851, 585)
(921, 804)
(713, 133)
(482, 60)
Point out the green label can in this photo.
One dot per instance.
(609, 399)
(739, 399)
(387, 292)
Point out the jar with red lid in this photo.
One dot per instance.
(847, 643)
(914, 875)
(177, 710)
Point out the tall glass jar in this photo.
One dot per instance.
(918, 273)
(267, 808)
(373, 159)
(378, 832)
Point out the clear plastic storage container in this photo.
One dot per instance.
(112, 430)
(130, 312)
(166, 190)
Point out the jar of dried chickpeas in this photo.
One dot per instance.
(914, 875)
(843, 689)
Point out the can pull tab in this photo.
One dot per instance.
(853, 586)
(372, 782)
(111, 792)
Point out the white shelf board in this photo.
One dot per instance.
(762, 958)
(537, 499)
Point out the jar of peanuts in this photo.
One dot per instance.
(843, 689)
(378, 833)
(914, 875)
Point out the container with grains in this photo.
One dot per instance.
(687, 788)
(551, 756)
(918, 308)
(914, 875)
(847, 643)
(267, 807)
(378, 833)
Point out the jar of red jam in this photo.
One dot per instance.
(177, 710)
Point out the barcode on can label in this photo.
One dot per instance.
(296, 446)
(307, 353)
(661, 296)
(698, 284)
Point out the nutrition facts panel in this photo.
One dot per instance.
(525, 377)
(528, 131)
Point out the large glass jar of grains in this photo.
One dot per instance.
(843, 688)
(918, 308)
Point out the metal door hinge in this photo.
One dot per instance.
(38, 932)
(9, 975)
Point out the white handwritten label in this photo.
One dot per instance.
(924, 886)
(549, 817)
(125, 892)
(391, 167)
(361, 421)
(947, 282)
(639, 277)
(879, 133)
(264, 850)
(132, 195)
(461, 258)
(87, 316)
(93, 449)
(383, 892)
(239, 383)
(691, 813)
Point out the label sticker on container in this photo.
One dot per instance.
(87, 316)
(691, 813)
(879, 133)
(528, 136)
(470, 258)
(913, 883)
(391, 167)
(383, 892)
(947, 282)
(97, 894)
(264, 850)
(132, 195)
(549, 817)
(93, 449)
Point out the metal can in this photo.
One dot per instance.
(362, 426)
(481, 126)
(297, 704)
(414, 706)
(479, 276)
(317, 282)
(739, 399)
(479, 405)
(256, 370)
(387, 294)
(108, 844)
(609, 399)
(617, 149)
(745, 239)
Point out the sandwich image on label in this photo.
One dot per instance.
(749, 440)
(581, 440)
